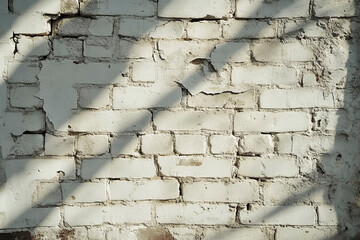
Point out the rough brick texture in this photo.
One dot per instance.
(179, 119)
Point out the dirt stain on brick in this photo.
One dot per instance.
(66, 234)
(24, 235)
(153, 233)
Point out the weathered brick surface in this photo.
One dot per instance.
(179, 119)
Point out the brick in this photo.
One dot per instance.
(34, 24)
(134, 49)
(240, 192)
(98, 47)
(32, 6)
(295, 191)
(144, 72)
(55, 145)
(282, 52)
(237, 29)
(189, 9)
(284, 144)
(203, 30)
(328, 215)
(271, 122)
(20, 122)
(141, 8)
(309, 79)
(85, 26)
(24, 97)
(256, 144)
(274, 9)
(92, 144)
(263, 75)
(303, 145)
(222, 144)
(95, 215)
(195, 166)
(279, 215)
(157, 144)
(268, 167)
(22, 72)
(117, 168)
(206, 214)
(311, 29)
(109, 121)
(190, 144)
(210, 120)
(224, 100)
(67, 47)
(335, 8)
(144, 190)
(143, 28)
(28, 144)
(285, 233)
(46, 193)
(233, 52)
(297, 98)
(146, 97)
(94, 97)
(33, 47)
(124, 145)
(75, 192)
(235, 233)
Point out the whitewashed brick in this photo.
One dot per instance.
(282, 52)
(85, 26)
(285, 233)
(257, 144)
(24, 97)
(28, 144)
(303, 145)
(37, 7)
(222, 144)
(117, 168)
(142, 28)
(109, 121)
(115, 7)
(309, 79)
(98, 48)
(335, 8)
(95, 215)
(294, 191)
(192, 120)
(234, 29)
(297, 98)
(146, 97)
(235, 233)
(94, 97)
(67, 47)
(19, 122)
(274, 9)
(144, 72)
(34, 24)
(33, 46)
(55, 145)
(240, 192)
(193, 9)
(93, 144)
(268, 167)
(304, 28)
(144, 190)
(284, 144)
(124, 145)
(203, 30)
(276, 215)
(46, 193)
(223, 100)
(23, 72)
(271, 122)
(74, 192)
(206, 214)
(328, 215)
(157, 144)
(134, 49)
(195, 166)
(190, 144)
(263, 75)
(233, 52)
